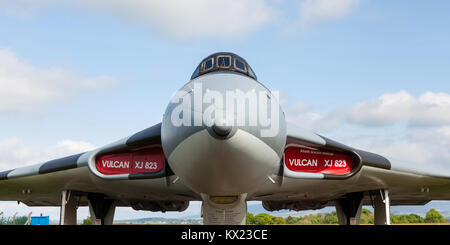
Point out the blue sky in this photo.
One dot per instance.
(80, 74)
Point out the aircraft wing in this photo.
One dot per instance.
(304, 184)
(109, 170)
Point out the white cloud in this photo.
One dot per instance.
(430, 147)
(302, 115)
(23, 8)
(24, 87)
(181, 19)
(428, 144)
(184, 19)
(430, 109)
(190, 19)
(317, 11)
(14, 152)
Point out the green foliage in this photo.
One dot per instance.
(21, 220)
(434, 216)
(367, 217)
(87, 221)
(4, 221)
(291, 220)
(431, 216)
(264, 219)
(279, 221)
(317, 219)
(250, 219)
(406, 219)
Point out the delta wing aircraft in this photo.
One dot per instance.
(223, 140)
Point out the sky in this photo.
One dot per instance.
(75, 75)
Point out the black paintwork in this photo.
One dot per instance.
(374, 160)
(147, 136)
(4, 174)
(60, 164)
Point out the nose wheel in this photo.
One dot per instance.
(214, 213)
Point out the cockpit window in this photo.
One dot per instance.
(239, 65)
(196, 72)
(251, 73)
(223, 61)
(208, 64)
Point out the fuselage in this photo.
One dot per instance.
(224, 133)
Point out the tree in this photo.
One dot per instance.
(331, 218)
(367, 217)
(279, 221)
(406, 218)
(414, 218)
(434, 216)
(250, 220)
(87, 221)
(292, 220)
(264, 219)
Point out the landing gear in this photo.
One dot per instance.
(348, 208)
(221, 213)
(381, 207)
(101, 209)
(68, 215)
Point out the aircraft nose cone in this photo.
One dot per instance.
(222, 131)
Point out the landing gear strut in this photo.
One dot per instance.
(101, 209)
(68, 215)
(348, 208)
(381, 206)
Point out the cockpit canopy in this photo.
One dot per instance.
(223, 62)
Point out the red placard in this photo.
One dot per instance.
(317, 161)
(149, 160)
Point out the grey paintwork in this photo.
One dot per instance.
(172, 135)
(25, 171)
(202, 159)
